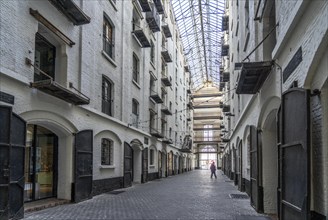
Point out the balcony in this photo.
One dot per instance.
(153, 20)
(166, 55)
(155, 133)
(71, 11)
(206, 117)
(140, 35)
(145, 5)
(225, 50)
(167, 140)
(166, 81)
(159, 6)
(156, 97)
(206, 106)
(252, 76)
(166, 30)
(205, 95)
(53, 88)
(204, 140)
(225, 23)
(166, 110)
(225, 77)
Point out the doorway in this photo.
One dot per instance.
(40, 163)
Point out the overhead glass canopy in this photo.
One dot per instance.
(199, 23)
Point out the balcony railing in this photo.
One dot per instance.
(145, 5)
(166, 110)
(166, 80)
(154, 132)
(71, 11)
(166, 55)
(159, 6)
(153, 20)
(156, 97)
(140, 35)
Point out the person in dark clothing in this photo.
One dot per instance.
(213, 169)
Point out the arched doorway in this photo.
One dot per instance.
(170, 163)
(41, 167)
(270, 163)
(207, 155)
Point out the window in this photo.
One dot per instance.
(135, 68)
(135, 113)
(107, 156)
(108, 37)
(45, 54)
(107, 88)
(176, 94)
(208, 133)
(170, 132)
(152, 52)
(151, 156)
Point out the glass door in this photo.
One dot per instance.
(40, 163)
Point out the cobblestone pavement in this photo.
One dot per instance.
(191, 195)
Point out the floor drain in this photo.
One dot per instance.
(116, 192)
(238, 196)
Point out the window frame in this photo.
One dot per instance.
(109, 157)
(135, 68)
(109, 94)
(151, 157)
(108, 29)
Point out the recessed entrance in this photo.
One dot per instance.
(40, 163)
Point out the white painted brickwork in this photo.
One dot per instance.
(84, 64)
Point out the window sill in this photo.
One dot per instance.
(153, 65)
(151, 166)
(109, 58)
(106, 166)
(113, 4)
(136, 84)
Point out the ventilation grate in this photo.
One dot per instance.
(115, 192)
(238, 196)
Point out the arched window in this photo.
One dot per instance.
(151, 156)
(108, 37)
(135, 68)
(135, 113)
(107, 95)
(107, 152)
(152, 52)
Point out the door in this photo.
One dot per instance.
(40, 163)
(144, 175)
(83, 165)
(12, 153)
(240, 167)
(160, 164)
(128, 165)
(254, 181)
(294, 155)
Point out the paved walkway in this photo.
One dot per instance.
(191, 195)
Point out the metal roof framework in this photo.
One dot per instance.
(199, 23)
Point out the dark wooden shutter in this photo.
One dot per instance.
(83, 165)
(294, 155)
(12, 155)
(144, 176)
(128, 165)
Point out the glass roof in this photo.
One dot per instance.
(199, 23)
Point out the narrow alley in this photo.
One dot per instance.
(192, 195)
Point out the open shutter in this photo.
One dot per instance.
(12, 155)
(294, 155)
(83, 165)
(254, 167)
(144, 177)
(128, 165)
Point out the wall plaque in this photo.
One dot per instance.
(7, 98)
(293, 63)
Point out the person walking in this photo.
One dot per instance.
(213, 169)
